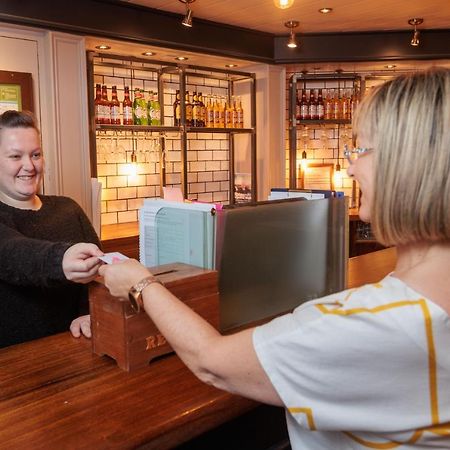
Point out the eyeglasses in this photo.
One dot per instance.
(353, 154)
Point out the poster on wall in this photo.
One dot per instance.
(16, 91)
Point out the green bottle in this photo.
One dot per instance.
(139, 108)
(154, 109)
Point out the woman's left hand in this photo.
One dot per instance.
(81, 326)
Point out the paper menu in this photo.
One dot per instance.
(177, 232)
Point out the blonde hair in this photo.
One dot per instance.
(407, 122)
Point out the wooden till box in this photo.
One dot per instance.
(133, 339)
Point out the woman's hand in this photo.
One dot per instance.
(81, 326)
(80, 262)
(121, 276)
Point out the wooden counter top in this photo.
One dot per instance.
(56, 394)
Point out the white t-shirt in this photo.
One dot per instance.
(367, 368)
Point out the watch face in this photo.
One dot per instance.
(133, 301)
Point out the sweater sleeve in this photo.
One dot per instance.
(30, 262)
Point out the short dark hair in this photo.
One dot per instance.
(18, 119)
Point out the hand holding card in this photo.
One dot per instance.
(113, 257)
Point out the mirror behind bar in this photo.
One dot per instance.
(273, 256)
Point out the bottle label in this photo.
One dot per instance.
(115, 113)
(127, 113)
(320, 111)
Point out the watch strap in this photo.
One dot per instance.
(135, 293)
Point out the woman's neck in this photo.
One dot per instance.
(34, 203)
(425, 268)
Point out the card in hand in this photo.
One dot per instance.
(113, 257)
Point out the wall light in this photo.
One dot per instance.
(291, 24)
(415, 39)
(283, 4)
(187, 20)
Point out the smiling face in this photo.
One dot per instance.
(363, 171)
(21, 167)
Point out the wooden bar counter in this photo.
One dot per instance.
(56, 394)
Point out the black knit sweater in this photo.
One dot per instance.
(36, 300)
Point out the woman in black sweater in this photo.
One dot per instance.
(48, 248)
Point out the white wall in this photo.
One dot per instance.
(270, 127)
(57, 63)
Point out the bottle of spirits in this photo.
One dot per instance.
(188, 106)
(98, 104)
(329, 105)
(221, 113)
(195, 110)
(304, 106)
(216, 112)
(298, 107)
(115, 107)
(313, 105)
(346, 105)
(229, 108)
(354, 101)
(235, 120)
(155, 110)
(320, 106)
(210, 112)
(202, 110)
(177, 109)
(106, 106)
(336, 105)
(127, 107)
(240, 113)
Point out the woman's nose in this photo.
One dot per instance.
(27, 163)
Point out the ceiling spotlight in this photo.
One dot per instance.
(390, 66)
(231, 65)
(283, 4)
(415, 39)
(103, 47)
(291, 24)
(148, 54)
(325, 10)
(187, 20)
(181, 58)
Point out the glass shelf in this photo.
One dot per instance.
(324, 121)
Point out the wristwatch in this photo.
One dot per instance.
(135, 293)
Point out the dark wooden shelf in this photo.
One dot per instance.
(218, 130)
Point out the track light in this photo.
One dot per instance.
(187, 20)
(283, 4)
(291, 24)
(415, 39)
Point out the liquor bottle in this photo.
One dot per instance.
(195, 110)
(155, 110)
(240, 113)
(177, 109)
(202, 110)
(229, 109)
(329, 105)
(149, 106)
(209, 112)
(235, 119)
(127, 107)
(106, 106)
(354, 101)
(312, 105)
(336, 105)
(216, 112)
(139, 108)
(188, 108)
(320, 106)
(345, 105)
(221, 113)
(304, 106)
(115, 107)
(98, 104)
(298, 107)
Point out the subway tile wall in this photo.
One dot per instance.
(323, 143)
(125, 185)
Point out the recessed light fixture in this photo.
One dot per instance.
(103, 47)
(325, 10)
(231, 65)
(149, 54)
(181, 58)
(390, 66)
(283, 4)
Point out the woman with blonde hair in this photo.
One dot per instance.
(367, 368)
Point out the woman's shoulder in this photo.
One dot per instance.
(59, 201)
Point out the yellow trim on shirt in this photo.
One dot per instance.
(384, 445)
(308, 413)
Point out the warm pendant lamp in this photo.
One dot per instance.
(283, 4)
